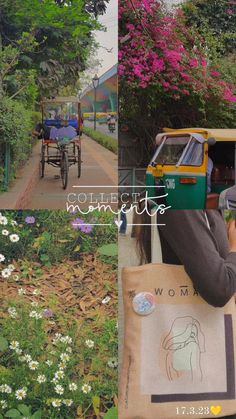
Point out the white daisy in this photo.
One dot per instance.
(86, 388)
(11, 267)
(3, 404)
(56, 402)
(5, 232)
(12, 311)
(28, 358)
(59, 389)
(21, 291)
(64, 357)
(34, 304)
(62, 365)
(14, 238)
(41, 378)
(49, 363)
(14, 345)
(6, 273)
(14, 223)
(59, 374)
(3, 220)
(67, 402)
(89, 343)
(18, 351)
(66, 339)
(36, 292)
(112, 363)
(16, 278)
(106, 299)
(73, 387)
(2, 258)
(34, 314)
(69, 349)
(21, 393)
(33, 365)
(4, 388)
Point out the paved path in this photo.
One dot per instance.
(99, 167)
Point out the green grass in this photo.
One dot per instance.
(103, 139)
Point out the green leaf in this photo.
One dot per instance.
(3, 344)
(1, 417)
(96, 405)
(37, 415)
(13, 413)
(111, 413)
(25, 410)
(109, 249)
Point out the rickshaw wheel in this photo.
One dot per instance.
(64, 169)
(79, 161)
(42, 162)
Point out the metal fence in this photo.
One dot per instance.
(132, 180)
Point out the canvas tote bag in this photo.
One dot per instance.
(179, 351)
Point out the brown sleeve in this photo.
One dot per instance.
(213, 276)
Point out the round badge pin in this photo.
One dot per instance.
(144, 303)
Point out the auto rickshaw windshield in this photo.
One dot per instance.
(184, 150)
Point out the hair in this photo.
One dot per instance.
(142, 233)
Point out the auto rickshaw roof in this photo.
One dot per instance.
(62, 99)
(217, 134)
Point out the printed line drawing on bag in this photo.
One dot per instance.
(184, 343)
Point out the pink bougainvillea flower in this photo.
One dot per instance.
(194, 63)
(215, 74)
(230, 11)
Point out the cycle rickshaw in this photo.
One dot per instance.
(61, 152)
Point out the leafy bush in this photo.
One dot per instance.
(108, 142)
(16, 126)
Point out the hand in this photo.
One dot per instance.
(232, 235)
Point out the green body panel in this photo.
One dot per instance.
(180, 196)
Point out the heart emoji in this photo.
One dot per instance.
(216, 410)
(119, 223)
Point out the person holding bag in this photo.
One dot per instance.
(180, 324)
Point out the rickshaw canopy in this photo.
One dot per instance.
(62, 99)
(217, 134)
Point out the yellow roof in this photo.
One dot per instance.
(218, 134)
(61, 99)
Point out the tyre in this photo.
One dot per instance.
(64, 169)
(79, 161)
(42, 161)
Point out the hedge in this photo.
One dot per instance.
(103, 139)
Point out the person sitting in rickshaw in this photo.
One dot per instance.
(67, 131)
(44, 132)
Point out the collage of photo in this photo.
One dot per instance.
(117, 209)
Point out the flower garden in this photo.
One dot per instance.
(58, 304)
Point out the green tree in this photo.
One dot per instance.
(63, 32)
(215, 17)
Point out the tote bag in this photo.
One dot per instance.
(179, 351)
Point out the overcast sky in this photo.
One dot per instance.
(108, 39)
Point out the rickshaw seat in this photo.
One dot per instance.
(212, 201)
(49, 141)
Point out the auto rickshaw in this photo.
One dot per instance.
(191, 167)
